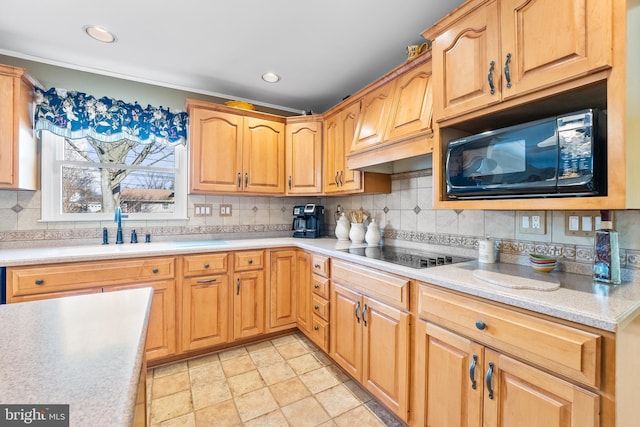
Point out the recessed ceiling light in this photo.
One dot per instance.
(99, 34)
(270, 77)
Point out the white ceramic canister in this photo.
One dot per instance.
(356, 234)
(342, 228)
(372, 236)
(486, 250)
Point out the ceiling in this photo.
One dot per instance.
(323, 51)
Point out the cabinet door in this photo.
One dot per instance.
(547, 42)
(248, 304)
(520, 395)
(450, 378)
(283, 287)
(215, 152)
(465, 57)
(332, 153)
(7, 134)
(205, 311)
(373, 118)
(304, 158)
(350, 180)
(346, 329)
(412, 106)
(161, 333)
(263, 156)
(385, 367)
(303, 291)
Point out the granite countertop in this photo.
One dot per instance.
(85, 351)
(578, 299)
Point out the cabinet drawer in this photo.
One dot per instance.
(248, 260)
(320, 265)
(320, 307)
(69, 276)
(383, 286)
(320, 286)
(197, 265)
(563, 349)
(320, 332)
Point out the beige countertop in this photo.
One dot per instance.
(578, 298)
(85, 351)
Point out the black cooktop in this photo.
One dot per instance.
(408, 257)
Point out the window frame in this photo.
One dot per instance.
(52, 158)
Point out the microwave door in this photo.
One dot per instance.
(504, 163)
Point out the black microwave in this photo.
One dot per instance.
(558, 156)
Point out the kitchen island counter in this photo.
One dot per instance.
(86, 351)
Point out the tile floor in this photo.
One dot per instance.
(286, 381)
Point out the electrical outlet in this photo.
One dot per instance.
(532, 222)
(225, 210)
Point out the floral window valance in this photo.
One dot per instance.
(76, 115)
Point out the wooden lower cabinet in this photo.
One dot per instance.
(248, 304)
(286, 268)
(370, 341)
(463, 383)
(205, 312)
(303, 292)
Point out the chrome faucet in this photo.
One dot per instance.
(118, 219)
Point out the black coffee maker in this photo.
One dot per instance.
(307, 221)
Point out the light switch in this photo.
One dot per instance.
(581, 223)
(587, 223)
(574, 221)
(525, 222)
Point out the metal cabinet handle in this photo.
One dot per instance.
(316, 307)
(481, 325)
(341, 177)
(490, 77)
(239, 180)
(238, 287)
(39, 282)
(316, 265)
(336, 179)
(489, 378)
(507, 72)
(358, 311)
(207, 280)
(206, 265)
(472, 371)
(316, 328)
(289, 182)
(316, 286)
(364, 312)
(250, 261)
(155, 271)
(246, 180)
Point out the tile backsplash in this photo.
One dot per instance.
(406, 216)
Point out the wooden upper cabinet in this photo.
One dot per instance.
(18, 147)
(395, 120)
(491, 51)
(303, 152)
(263, 156)
(234, 153)
(466, 63)
(339, 131)
(373, 117)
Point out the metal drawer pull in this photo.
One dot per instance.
(316, 328)
(238, 288)
(507, 73)
(316, 286)
(250, 261)
(316, 265)
(472, 371)
(39, 282)
(358, 311)
(316, 307)
(206, 265)
(480, 325)
(490, 77)
(155, 271)
(364, 312)
(206, 280)
(489, 378)
(239, 180)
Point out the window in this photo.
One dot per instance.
(86, 179)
